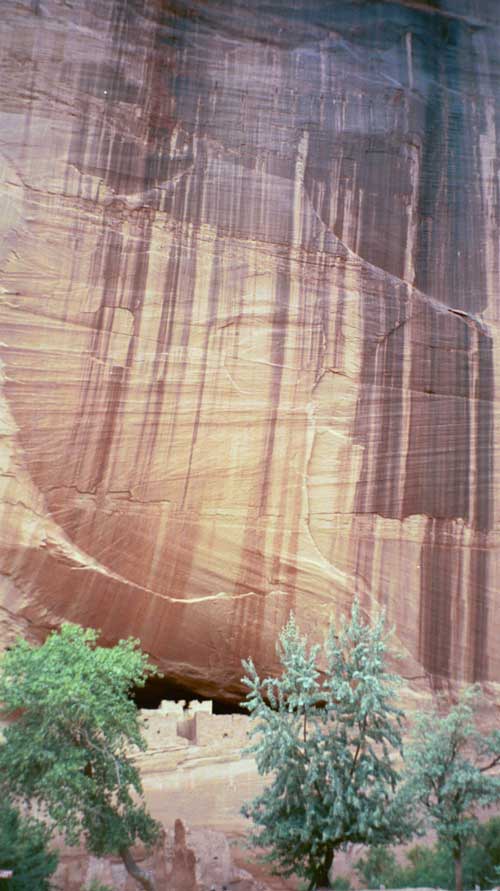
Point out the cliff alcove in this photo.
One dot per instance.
(160, 689)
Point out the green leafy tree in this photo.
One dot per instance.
(326, 739)
(24, 850)
(425, 868)
(378, 867)
(433, 867)
(68, 746)
(482, 859)
(447, 775)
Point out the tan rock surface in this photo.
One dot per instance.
(184, 860)
(249, 325)
(198, 769)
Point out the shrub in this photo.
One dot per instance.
(433, 867)
(24, 850)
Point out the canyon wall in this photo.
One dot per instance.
(249, 325)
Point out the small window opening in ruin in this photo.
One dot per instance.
(157, 689)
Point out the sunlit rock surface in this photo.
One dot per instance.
(249, 323)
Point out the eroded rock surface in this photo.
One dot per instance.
(249, 324)
(183, 860)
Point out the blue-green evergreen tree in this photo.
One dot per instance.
(327, 735)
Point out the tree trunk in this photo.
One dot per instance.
(457, 859)
(136, 872)
(323, 874)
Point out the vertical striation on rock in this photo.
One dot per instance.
(249, 317)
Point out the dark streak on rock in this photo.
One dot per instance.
(448, 466)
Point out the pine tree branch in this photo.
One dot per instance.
(496, 760)
(358, 748)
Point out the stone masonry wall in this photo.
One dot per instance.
(176, 725)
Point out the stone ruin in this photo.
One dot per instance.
(184, 859)
(179, 723)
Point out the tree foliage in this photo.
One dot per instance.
(447, 775)
(24, 850)
(326, 739)
(433, 867)
(68, 747)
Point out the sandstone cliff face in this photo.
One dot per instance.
(249, 324)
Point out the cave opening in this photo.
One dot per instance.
(158, 688)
